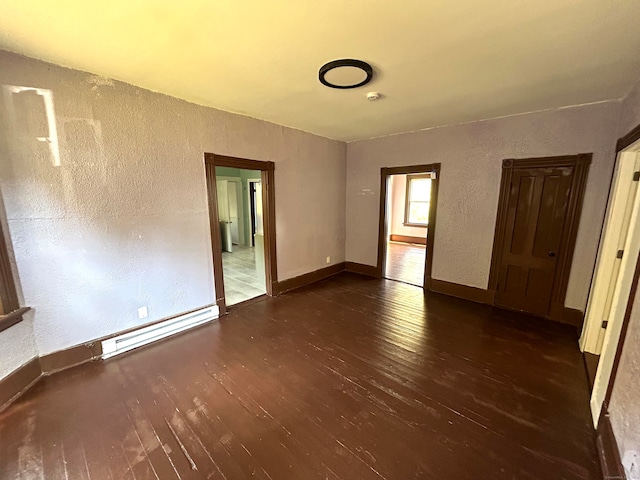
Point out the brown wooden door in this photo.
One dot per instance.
(539, 199)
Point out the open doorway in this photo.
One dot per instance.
(241, 229)
(242, 220)
(615, 278)
(407, 223)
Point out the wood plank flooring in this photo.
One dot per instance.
(405, 262)
(351, 378)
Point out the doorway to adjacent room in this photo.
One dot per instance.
(615, 278)
(242, 223)
(407, 222)
(241, 228)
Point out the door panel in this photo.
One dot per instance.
(520, 207)
(535, 220)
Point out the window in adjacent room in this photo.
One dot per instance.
(418, 196)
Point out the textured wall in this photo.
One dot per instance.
(630, 112)
(471, 156)
(119, 218)
(17, 344)
(625, 400)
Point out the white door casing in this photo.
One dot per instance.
(614, 276)
(616, 226)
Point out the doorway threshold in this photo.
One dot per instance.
(249, 301)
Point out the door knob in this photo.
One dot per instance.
(552, 254)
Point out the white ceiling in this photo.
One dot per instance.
(436, 62)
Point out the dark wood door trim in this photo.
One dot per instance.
(233, 162)
(8, 292)
(385, 172)
(267, 170)
(581, 164)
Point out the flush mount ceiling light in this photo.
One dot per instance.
(345, 73)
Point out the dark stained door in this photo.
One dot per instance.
(535, 221)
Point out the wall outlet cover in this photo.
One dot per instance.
(143, 313)
(328, 259)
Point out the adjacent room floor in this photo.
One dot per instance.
(351, 378)
(242, 280)
(405, 262)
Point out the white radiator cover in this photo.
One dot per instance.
(146, 335)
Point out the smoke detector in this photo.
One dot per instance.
(373, 96)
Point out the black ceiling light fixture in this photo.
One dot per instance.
(345, 73)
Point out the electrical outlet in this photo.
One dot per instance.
(631, 464)
(142, 313)
(328, 259)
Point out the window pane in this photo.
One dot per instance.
(420, 190)
(419, 212)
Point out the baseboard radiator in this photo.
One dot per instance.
(146, 335)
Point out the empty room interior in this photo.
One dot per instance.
(320, 240)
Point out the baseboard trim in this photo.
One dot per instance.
(308, 278)
(71, 357)
(92, 350)
(473, 294)
(608, 450)
(408, 239)
(362, 269)
(562, 314)
(18, 382)
(573, 316)
(566, 315)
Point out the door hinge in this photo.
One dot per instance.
(636, 176)
(620, 254)
(605, 323)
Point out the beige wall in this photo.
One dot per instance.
(624, 407)
(625, 400)
(122, 221)
(630, 111)
(471, 156)
(398, 187)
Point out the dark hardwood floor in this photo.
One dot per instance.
(405, 262)
(351, 378)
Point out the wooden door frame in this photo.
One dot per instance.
(385, 173)
(581, 164)
(267, 169)
(607, 447)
